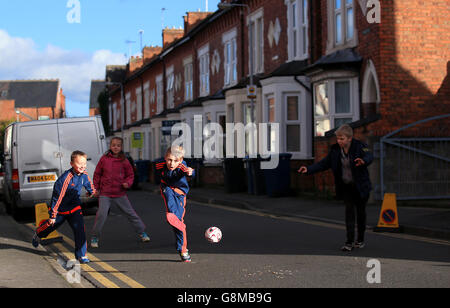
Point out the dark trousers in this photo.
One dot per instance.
(76, 222)
(355, 212)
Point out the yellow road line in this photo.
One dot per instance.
(96, 275)
(130, 282)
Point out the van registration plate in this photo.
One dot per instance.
(41, 178)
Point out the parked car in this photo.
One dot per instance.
(38, 152)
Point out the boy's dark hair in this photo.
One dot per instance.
(77, 153)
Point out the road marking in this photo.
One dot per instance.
(111, 270)
(91, 271)
(86, 268)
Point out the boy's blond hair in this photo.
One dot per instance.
(176, 151)
(344, 130)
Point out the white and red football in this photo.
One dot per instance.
(213, 234)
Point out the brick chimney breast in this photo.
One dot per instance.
(171, 35)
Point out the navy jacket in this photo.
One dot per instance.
(67, 191)
(175, 178)
(360, 174)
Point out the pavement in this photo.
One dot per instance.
(22, 266)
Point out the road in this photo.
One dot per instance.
(257, 251)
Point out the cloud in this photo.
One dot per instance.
(21, 59)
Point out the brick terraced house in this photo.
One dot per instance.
(378, 65)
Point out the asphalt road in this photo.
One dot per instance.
(257, 251)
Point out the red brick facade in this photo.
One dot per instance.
(404, 62)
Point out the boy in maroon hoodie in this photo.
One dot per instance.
(112, 177)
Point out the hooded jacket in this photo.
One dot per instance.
(111, 172)
(360, 174)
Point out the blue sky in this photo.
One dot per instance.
(38, 41)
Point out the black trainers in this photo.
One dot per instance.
(35, 241)
(359, 244)
(347, 247)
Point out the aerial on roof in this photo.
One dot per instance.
(30, 93)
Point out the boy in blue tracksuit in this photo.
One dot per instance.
(66, 205)
(174, 188)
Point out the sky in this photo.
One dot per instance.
(74, 40)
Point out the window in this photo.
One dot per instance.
(335, 103)
(170, 88)
(341, 25)
(188, 73)
(160, 94)
(230, 58)
(297, 29)
(272, 138)
(146, 100)
(128, 107)
(250, 136)
(293, 132)
(139, 103)
(257, 28)
(204, 70)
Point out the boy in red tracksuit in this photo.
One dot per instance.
(66, 205)
(174, 188)
(112, 177)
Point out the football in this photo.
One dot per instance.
(213, 234)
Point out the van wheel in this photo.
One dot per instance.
(16, 213)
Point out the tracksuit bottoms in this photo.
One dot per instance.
(104, 204)
(175, 202)
(76, 222)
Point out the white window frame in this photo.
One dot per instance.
(298, 40)
(147, 100)
(288, 122)
(128, 107)
(203, 62)
(331, 94)
(188, 78)
(230, 62)
(346, 41)
(159, 94)
(170, 87)
(257, 27)
(138, 103)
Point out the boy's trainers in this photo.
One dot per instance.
(185, 257)
(35, 241)
(360, 245)
(347, 247)
(94, 242)
(84, 260)
(144, 237)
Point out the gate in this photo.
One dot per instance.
(416, 167)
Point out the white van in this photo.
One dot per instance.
(38, 152)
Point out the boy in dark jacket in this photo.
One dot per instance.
(66, 205)
(174, 188)
(348, 159)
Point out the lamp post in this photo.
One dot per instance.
(225, 5)
(122, 104)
